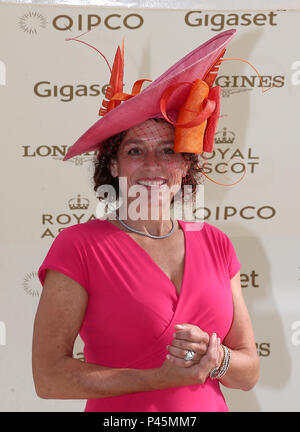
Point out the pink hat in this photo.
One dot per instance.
(184, 92)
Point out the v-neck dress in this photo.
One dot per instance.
(133, 306)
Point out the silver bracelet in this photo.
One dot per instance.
(223, 370)
(215, 370)
(226, 364)
(219, 372)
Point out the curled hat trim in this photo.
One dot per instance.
(120, 111)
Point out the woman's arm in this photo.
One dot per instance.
(57, 375)
(243, 371)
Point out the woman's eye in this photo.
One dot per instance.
(169, 150)
(136, 150)
(133, 149)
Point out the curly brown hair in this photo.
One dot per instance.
(109, 150)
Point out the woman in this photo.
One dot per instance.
(159, 306)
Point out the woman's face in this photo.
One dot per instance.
(146, 154)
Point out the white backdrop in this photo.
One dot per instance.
(50, 93)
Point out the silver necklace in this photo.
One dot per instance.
(146, 234)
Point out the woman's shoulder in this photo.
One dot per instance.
(213, 229)
(93, 227)
(212, 232)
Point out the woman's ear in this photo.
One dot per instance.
(113, 168)
(186, 167)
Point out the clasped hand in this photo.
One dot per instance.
(208, 354)
(189, 337)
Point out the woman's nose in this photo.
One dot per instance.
(151, 157)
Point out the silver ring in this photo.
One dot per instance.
(189, 355)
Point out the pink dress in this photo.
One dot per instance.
(133, 306)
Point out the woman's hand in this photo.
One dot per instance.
(172, 374)
(188, 337)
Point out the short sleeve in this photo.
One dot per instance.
(232, 261)
(67, 255)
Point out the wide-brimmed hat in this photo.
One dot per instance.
(184, 95)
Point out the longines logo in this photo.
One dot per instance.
(32, 22)
(31, 284)
(231, 84)
(226, 158)
(60, 221)
(56, 152)
(218, 21)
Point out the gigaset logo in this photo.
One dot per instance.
(249, 280)
(114, 21)
(67, 92)
(218, 21)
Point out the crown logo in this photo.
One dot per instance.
(224, 137)
(78, 203)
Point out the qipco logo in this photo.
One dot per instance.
(115, 21)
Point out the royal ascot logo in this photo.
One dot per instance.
(115, 21)
(263, 349)
(31, 284)
(217, 22)
(232, 84)
(226, 158)
(53, 224)
(32, 22)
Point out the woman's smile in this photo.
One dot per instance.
(155, 183)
